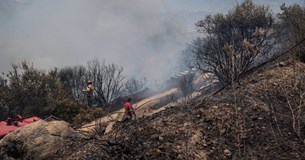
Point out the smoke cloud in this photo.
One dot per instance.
(139, 35)
(143, 36)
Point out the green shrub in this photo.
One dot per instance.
(87, 115)
(76, 113)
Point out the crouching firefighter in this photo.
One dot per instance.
(129, 111)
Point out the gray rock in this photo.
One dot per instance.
(39, 140)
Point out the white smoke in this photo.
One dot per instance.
(135, 34)
(143, 36)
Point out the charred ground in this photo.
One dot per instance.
(262, 117)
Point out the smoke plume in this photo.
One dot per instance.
(138, 35)
(143, 36)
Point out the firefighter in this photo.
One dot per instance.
(9, 121)
(129, 111)
(89, 92)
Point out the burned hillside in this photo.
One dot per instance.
(239, 92)
(260, 118)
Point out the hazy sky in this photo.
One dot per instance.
(143, 36)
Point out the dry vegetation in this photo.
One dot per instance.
(262, 118)
(260, 115)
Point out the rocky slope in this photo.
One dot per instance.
(262, 117)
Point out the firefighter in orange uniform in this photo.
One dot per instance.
(129, 111)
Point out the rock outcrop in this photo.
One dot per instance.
(39, 140)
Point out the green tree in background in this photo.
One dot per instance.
(73, 79)
(32, 91)
(26, 90)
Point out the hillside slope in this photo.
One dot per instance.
(143, 107)
(261, 118)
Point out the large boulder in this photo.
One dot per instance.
(39, 140)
